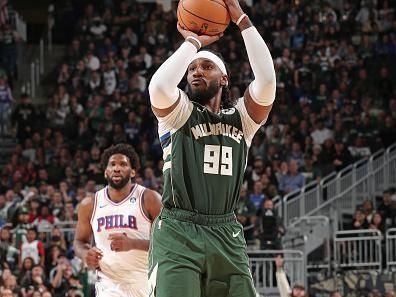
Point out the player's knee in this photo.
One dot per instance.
(217, 288)
(241, 286)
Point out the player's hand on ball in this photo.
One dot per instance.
(92, 257)
(234, 9)
(120, 242)
(204, 39)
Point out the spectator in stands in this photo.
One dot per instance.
(8, 252)
(377, 223)
(45, 219)
(359, 148)
(341, 156)
(56, 204)
(74, 292)
(275, 122)
(255, 174)
(335, 294)
(359, 220)
(8, 46)
(34, 280)
(27, 266)
(293, 180)
(257, 197)
(387, 207)
(246, 215)
(320, 133)
(149, 179)
(268, 188)
(283, 284)
(5, 105)
(21, 226)
(269, 227)
(61, 276)
(368, 208)
(3, 209)
(6, 292)
(296, 154)
(51, 260)
(24, 118)
(57, 237)
(32, 248)
(310, 171)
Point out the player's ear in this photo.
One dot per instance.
(224, 80)
(133, 173)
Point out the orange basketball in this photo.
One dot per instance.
(204, 17)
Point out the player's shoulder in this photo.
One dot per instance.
(150, 197)
(150, 193)
(152, 204)
(87, 205)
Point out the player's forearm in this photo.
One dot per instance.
(263, 88)
(163, 85)
(139, 244)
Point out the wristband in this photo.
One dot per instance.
(195, 39)
(241, 18)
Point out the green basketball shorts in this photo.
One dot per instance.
(194, 255)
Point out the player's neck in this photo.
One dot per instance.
(116, 195)
(214, 104)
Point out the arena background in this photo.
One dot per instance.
(78, 73)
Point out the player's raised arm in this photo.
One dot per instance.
(261, 92)
(163, 90)
(83, 236)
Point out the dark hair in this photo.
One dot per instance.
(32, 229)
(298, 286)
(226, 100)
(122, 149)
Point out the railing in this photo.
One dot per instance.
(37, 62)
(277, 200)
(314, 231)
(18, 24)
(345, 189)
(358, 249)
(391, 249)
(67, 228)
(262, 265)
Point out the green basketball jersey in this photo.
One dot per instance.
(205, 156)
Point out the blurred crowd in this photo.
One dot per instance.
(336, 103)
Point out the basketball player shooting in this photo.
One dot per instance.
(197, 246)
(119, 219)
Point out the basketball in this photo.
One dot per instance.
(204, 17)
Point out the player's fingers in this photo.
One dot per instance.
(180, 28)
(97, 251)
(92, 262)
(114, 236)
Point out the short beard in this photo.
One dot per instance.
(203, 96)
(118, 186)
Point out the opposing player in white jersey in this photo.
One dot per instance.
(119, 220)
